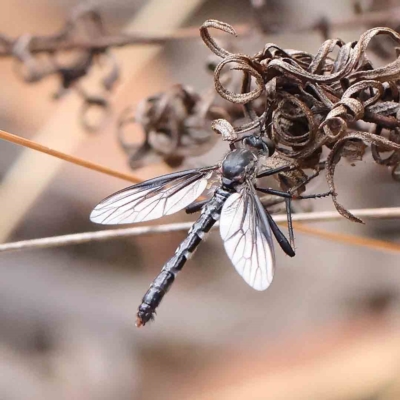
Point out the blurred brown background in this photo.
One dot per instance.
(328, 328)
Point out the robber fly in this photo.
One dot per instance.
(246, 227)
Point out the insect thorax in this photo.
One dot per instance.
(238, 166)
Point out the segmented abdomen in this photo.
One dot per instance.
(209, 215)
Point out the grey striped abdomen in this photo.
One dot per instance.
(209, 215)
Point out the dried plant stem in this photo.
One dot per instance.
(382, 213)
(28, 177)
(78, 238)
(344, 238)
(320, 216)
(376, 18)
(66, 157)
(50, 44)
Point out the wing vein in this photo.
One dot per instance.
(247, 239)
(160, 196)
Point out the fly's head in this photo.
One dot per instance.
(263, 145)
(237, 167)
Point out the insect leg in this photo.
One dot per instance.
(275, 192)
(313, 196)
(309, 179)
(269, 172)
(288, 198)
(286, 168)
(195, 207)
(289, 195)
(288, 203)
(280, 237)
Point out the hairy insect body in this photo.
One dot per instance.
(209, 215)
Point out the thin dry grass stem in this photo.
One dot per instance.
(85, 237)
(65, 240)
(48, 45)
(353, 240)
(51, 44)
(63, 132)
(66, 157)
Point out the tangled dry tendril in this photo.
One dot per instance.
(335, 99)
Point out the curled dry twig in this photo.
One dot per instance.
(175, 123)
(37, 57)
(317, 101)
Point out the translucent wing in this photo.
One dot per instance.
(247, 238)
(153, 198)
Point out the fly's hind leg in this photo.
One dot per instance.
(288, 203)
(285, 245)
(196, 206)
(288, 196)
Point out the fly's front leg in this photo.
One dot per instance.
(289, 195)
(288, 168)
(269, 172)
(309, 179)
(321, 165)
(313, 196)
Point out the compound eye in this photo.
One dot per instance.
(270, 145)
